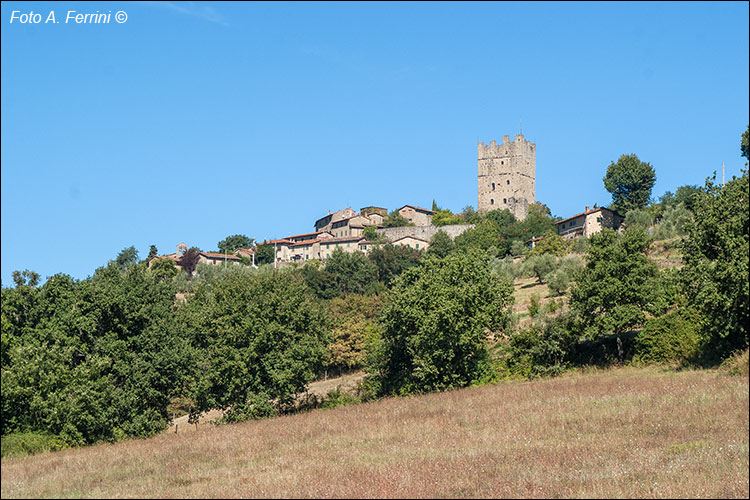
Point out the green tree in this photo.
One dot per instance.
(391, 260)
(630, 181)
(440, 244)
(262, 341)
(25, 278)
(618, 284)
(539, 266)
(152, 252)
(553, 244)
(435, 325)
(126, 257)
(469, 215)
(264, 254)
(164, 268)
(715, 274)
(395, 219)
(373, 236)
(352, 272)
(444, 218)
(231, 244)
(745, 144)
(354, 326)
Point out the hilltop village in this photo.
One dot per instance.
(506, 179)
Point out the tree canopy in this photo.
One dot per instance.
(630, 181)
(230, 244)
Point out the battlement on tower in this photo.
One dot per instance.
(507, 175)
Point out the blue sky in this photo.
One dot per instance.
(194, 121)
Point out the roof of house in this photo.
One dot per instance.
(420, 209)
(344, 239)
(304, 243)
(412, 237)
(587, 212)
(217, 255)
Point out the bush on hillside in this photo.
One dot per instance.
(673, 337)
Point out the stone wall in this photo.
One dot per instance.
(424, 232)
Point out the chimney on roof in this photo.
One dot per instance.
(329, 212)
(587, 208)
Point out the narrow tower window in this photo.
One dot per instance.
(505, 200)
(508, 182)
(493, 186)
(492, 202)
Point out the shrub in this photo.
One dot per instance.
(543, 349)
(20, 444)
(673, 337)
(534, 305)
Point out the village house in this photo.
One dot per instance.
(325, 222)
(205, 257)
(412, 242)
(416, 215)
(589, 222)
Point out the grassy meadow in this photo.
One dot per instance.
(624, 432)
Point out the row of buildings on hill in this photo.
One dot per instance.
(506, 179)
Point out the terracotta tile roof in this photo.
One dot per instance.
(306, 242)
(587, 212)
(215, 255)
(412, 237)
(418, 208)
(344, 239)
(281, 242)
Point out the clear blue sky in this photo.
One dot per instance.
(194, 121)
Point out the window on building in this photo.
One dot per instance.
(493, 186)
(492, 202)
(417, 247)
(563, 226)
(598, 219)
(505, 200)
(508, 182)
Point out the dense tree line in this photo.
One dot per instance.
(101, 359)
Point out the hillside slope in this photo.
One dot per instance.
(619, 433)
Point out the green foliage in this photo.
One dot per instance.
(715, 274)
(444, 218)
(20, 444)
(262, 340)
(638, 217)
(440, 244)
(673, 223)
(126, 257)
(152, 252)
(552, 244)
(618, 285)
(469, 215)
(354, 326)
(581, 245)
(391, 260)
(373, 236)
(506, 268)
(518, 248)
(94, 360)
(558, 282)
(630, 181)
(684, 195)
(539, 266)
(25, 278)
(534, 305)
(543, 349)
(230, 244)
(264, 254)
(321, 282)
(745, 144)
(674, 337)
(164, 268)
(395, 219)
(435, 325)
(352, 272)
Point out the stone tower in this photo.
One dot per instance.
(507, 176)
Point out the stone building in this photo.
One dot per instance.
(507, 176)
(589, 222)
(412, 242)
(416, 215)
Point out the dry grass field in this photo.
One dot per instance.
(626, 432)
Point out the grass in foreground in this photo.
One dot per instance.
(626, 432)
